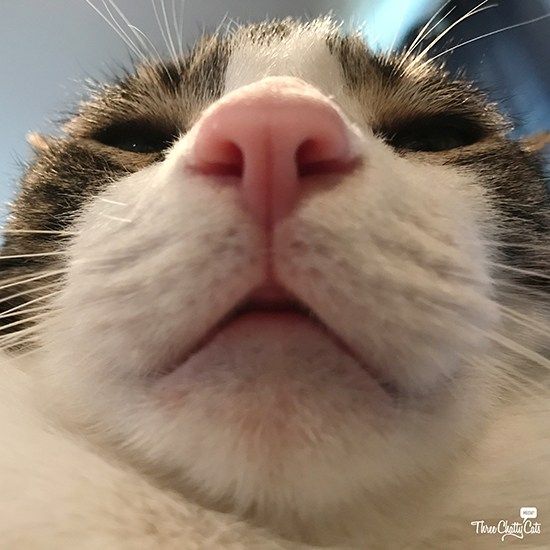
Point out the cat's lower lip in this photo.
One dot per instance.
(288, 314)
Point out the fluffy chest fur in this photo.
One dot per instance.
(352, 354)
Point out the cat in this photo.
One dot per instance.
(284, 288)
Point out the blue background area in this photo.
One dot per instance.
(513, 65)
(48, 46)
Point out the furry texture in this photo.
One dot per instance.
(430, 266)
(58, 492)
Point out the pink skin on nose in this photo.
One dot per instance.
(271, 135)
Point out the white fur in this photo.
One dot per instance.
(283, 429)
(302, 54)
(58, 493)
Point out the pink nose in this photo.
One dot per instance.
(269, 136)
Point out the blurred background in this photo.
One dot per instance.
(47, 47)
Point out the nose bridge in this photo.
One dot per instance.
(269, 136)
(276, 89)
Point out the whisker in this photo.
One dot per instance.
(19, 338)
(25, 311)
(32, 290)
(172, 48)
(109, 201)
(424, 32)
(174, 15)
(515, 26)
(24, 321)
(528, 246)
(131, 27)
(478, 9)
(529, 272)
(42, 275)
(156, 52)
(36, 231)
(179, 25)
(128, 42)
(141, 36)
(14, 279)
(119, 26)
(514, 346)
(33, 255)
(116, 218)
(163, 33)
(439, 21)
(522, 295)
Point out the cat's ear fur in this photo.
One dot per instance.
(536, 142)
(40, 143)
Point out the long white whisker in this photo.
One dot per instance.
(143, 36)
(410, 52)
(146, 51)
(161, 28)
(121, 35)
(36, 231)
(511, 345)
(19, 337)
(509, 289)
(156, 52)
(515, 26)
(25, 311)
(182, 25)
(530, 272)
(421, 34)
(141, 54)
(109, 201)
(34, 255)
(17, 278)
(28, 291)
(439, 21)
(529, 246)
(172, 48)
(179, 37)
(116, 218)
(35, 278)
(478, 9)
(25, 321)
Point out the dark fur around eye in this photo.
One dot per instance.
(433, 134)
(137, 136)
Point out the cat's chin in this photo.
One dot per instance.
(270, 411)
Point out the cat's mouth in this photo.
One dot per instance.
(269, 305)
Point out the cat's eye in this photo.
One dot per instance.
(433, 134)
(137, 136)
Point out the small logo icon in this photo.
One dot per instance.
(528, 512)
(506, 528)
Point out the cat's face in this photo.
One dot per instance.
(314, 363)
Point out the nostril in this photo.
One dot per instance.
(225, 159)
(268, 138)
(311, 160)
